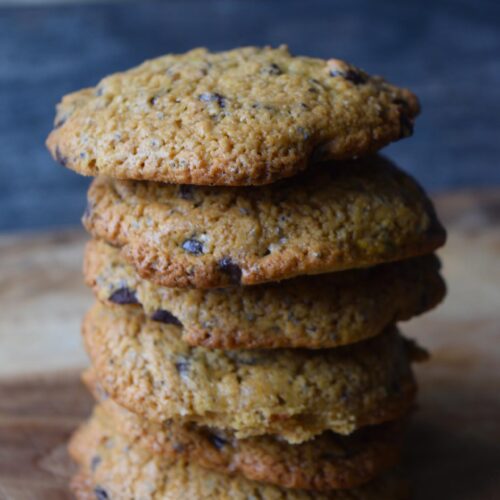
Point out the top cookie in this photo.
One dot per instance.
(248, 116)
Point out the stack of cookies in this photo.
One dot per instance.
(250, 257)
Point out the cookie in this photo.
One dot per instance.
(331, 218)
(245, 117)
(115, 465)
(312, 311)
(294, 393)
(327, 462)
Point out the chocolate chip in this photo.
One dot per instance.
(164, 316)
(303, 132)
(344, 395)
(182, 367)
(406, 125)
(227, 266)
(60, 122)
(193, 246)
(186, 192)
(401, 103)
(123, 296)
(96, 460)
(351, 75)
(272, 69)
(100, 493)
(60, 158)
(217, 441)
(213, 97)
(178, 447)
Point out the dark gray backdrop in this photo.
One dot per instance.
(447, 51)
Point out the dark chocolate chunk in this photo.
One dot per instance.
(217, 441)
(303, 132)
(401, 103)
(406, 125)
(344, 395)
(182, 367)
(351, 75)
(60, 122)
(186, 192)
(227, 266)
(60, 158)
(179, 447)
(100, 493)
(123, 296)
(405, 122)
(164, 316)
(272, 69)
(193, 246)
(213, 97)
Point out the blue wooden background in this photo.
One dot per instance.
(447, 51)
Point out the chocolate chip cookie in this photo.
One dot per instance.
(244, 117)
(294, 393)
(311, 311)
(116, 465)
(331, 218)
(329, 461)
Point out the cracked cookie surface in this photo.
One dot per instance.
(327, 462)
(312, 311)
(293, 393)
(244, 117)
(327, 219)
(115, 465)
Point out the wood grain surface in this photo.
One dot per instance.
(453, 449)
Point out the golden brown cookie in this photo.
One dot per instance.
(243, 117)
(312, 311)
(295, 393)
(114, 465)
(329, 461)
(331, 218)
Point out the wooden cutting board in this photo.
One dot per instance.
(454, 445)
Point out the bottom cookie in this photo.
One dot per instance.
(329, 461)
(114, 466)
